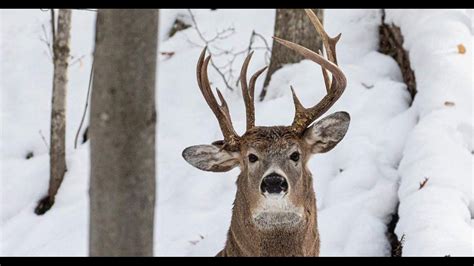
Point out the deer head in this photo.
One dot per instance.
(274, 189)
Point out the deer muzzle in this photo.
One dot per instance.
(274, 184)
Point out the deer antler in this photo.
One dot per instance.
(305, 116)
(231, 139)
(248, 92)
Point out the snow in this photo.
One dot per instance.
(389, 148)
(25, 115)
(440, 146)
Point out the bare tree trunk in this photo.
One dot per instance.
(292, 25)
(122, 133)
(57, 151)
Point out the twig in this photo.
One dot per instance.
(86, 105)
(206, 41)
(226, 72)
(250, 48)
(423, 183)
(76, 60)
(268, 53)
(45, 40)
(44, 140)
(223, 34)
(221, 74)
(196, 25)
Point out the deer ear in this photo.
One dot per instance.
(211, 158)
(327, 132)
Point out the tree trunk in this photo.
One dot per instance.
(57, 151)
(292, 25)
(122, 133)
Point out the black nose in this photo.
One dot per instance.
(274, 183)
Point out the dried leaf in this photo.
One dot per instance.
(450, 104)
(167, 54)
(461, 49)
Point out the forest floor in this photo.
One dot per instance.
(393, 144)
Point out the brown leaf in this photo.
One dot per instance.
(461, 49)
(448, 103)
(167, 54)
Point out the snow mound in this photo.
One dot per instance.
(440, 146)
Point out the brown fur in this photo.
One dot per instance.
(280, 224)
(243, 238)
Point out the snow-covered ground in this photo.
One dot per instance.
(440, 147)
(389, 149)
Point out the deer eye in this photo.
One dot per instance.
(253, 158)
(295, 156)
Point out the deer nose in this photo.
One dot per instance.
(274, 183)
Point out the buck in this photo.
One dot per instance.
(274, 211)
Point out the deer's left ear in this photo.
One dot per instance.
(327, 132)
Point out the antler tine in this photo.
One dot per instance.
(248, 91)
(225, 109)
(328, 42)
(327, 81)
(305, 116)
(253, 80)
(249, 105)
(220, 111)
(299, 108)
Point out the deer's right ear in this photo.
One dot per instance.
(211, 158)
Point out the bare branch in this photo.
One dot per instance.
(423, 183)
(44, 140)
(76, 60)
(226, 71)
(85, 107)
(45, 40)
(268, 52)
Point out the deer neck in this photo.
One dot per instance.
(244, 239)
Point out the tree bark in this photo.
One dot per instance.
(57, 151)
(292, 25)
(122, 133)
